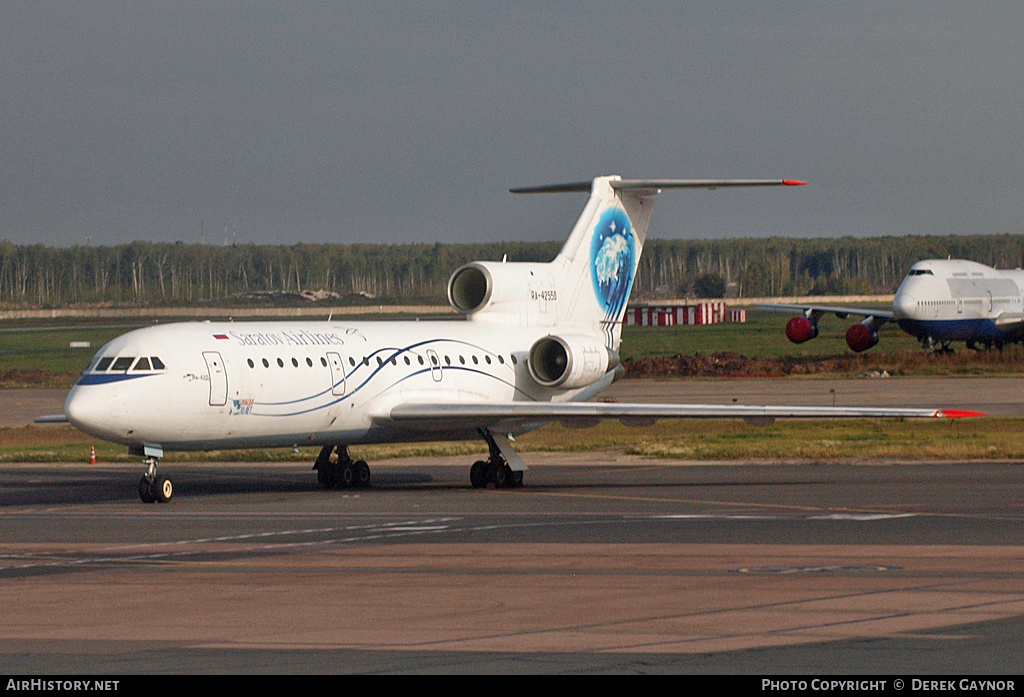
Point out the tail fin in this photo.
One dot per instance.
(599, 261)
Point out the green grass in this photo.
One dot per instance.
(700, 440)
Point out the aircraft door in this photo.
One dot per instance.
(959, 306)
(337, 374)
(218, 378)
(435, 365)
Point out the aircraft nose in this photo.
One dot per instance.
(86, 409)
(904, 304)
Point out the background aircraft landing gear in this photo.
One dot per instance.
(336, 470)
(153, 487)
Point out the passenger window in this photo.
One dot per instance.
(157, 363)
(309, 362)
(295, 363)
(142, 364)
(266, 364)
(123, 363)
(249, 361)
(104, 363)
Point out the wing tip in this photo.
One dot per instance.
(957, 414)
(794, 182)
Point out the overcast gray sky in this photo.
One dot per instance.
(408, 121)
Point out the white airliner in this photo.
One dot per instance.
(538, 341)
(940, 301)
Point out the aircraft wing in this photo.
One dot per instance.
(51, 419)
(1009, 320)
(841, 312)
(507, 415)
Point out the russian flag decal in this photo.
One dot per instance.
(220, 337)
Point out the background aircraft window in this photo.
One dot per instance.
(104, 363)
(157, 363)
(123, 363)
(142, 364)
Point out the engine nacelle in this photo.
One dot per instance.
(800, 329)
(509, 288)
(570, 361)
(861, 337)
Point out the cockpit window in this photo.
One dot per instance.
(123, 363)
(920, 272)
(104, 363)
(142, 364)
(157, 363)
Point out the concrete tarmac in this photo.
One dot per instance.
(602, 563)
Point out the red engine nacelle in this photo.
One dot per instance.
(861, 337)
(800, 329)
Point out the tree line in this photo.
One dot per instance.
(146, 273)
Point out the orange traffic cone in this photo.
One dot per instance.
(92, 454)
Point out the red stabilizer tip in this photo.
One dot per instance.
(793, 182)
(960, 413)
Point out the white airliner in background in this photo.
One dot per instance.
(940, 301)
(538, 341)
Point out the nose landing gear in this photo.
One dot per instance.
(154, 487)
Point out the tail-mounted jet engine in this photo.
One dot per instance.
(506, 291)
(570, 361)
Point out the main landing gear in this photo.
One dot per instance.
(153, 487)
(503, 468)
(336, 470)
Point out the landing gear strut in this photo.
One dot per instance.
(153, 487)
(503, 469)
(336, 470)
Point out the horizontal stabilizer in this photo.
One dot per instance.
(654, 185)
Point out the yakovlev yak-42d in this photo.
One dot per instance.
(539, 340)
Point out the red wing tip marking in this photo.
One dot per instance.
(793, 182)
(958, 413)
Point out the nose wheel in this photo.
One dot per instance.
(154, 487)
